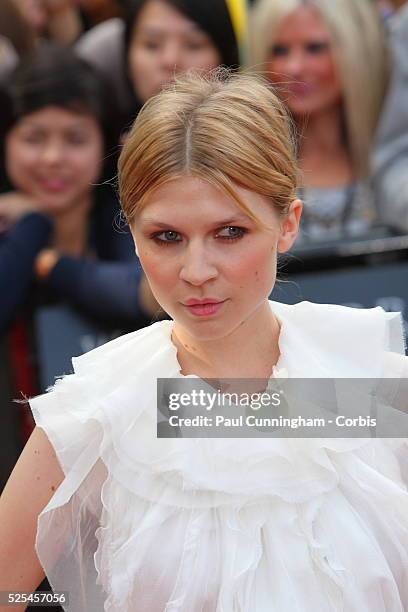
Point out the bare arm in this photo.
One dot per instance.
(31, 485)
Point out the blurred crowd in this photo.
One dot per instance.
(75, 73)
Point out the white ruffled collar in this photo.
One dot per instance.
(323, 341)
(278, 370)
(315, 341)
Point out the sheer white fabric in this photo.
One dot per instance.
(142, 524)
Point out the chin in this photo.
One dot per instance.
(206, 329)
(55, 206)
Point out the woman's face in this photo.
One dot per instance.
(165, 43)
(301, 60)
(195, 243)
(54, 155)
(34, 12)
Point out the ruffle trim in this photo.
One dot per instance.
(253, 496)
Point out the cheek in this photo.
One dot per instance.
(21, 162)
(136, 63)
(142, 70)
(86, 164)
(255, 271)
(326, 70)
(276, 70)
(160, 270)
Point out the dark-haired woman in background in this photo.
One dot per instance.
(156, 40)
(55, 141)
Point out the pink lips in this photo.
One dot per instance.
(54, 185)
(300, 89)
(203, 308)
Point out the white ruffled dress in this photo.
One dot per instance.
(141, 524)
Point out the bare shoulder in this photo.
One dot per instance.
(35, 477)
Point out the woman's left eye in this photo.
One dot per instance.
(231, 232)
(317, 47)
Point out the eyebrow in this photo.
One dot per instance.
(153, 30)
(34, 124)
(220, 223)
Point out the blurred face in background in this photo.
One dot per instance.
(165, 43)
(301, 61)
(386, 7)
(34, 11)
(54, 155)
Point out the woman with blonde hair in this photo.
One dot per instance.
(327, 61)
(129, 521)
(390, 159)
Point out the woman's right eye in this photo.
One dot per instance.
(167, 237)
(33, 138)
(278, 50)
(151, 45)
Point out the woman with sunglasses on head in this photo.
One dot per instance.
(128, 521)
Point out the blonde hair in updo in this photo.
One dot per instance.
(224, 128)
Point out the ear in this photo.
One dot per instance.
(290, 226)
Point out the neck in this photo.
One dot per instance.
(324, 158)
(322, 132)
(71, 229)
(249, 351)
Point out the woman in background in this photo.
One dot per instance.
(390, 158)
(53, 149)
(157, 40)
(55, 141)
(55, 20)
(327, 61)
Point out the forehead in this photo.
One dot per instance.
(55, 117)
(188, 198)
(303, 22)
(159, 17)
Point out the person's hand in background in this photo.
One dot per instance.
(13, 206)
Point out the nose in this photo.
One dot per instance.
(170, 55)
(295, 63)
(197, 266)
(52, 153)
